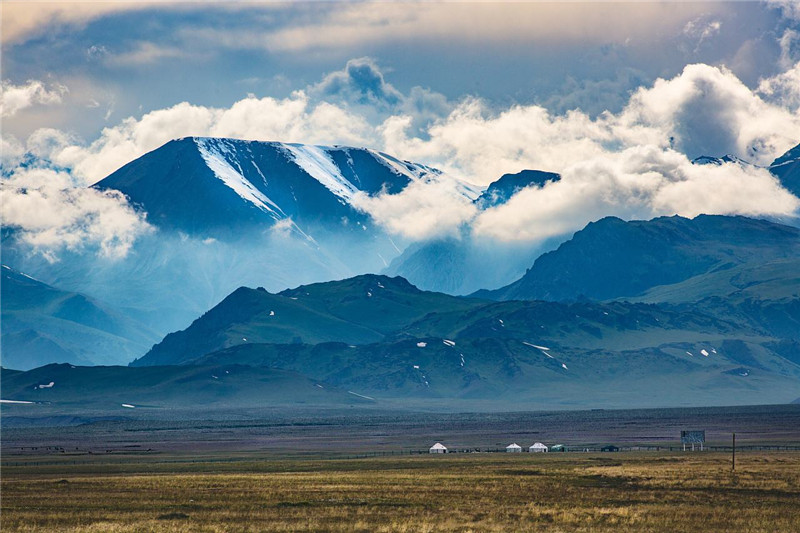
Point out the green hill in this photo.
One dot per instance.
(358, 310)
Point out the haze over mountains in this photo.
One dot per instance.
(671, 311)
(228, 213)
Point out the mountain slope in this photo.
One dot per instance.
(787, 169)
(125, 389)
(229, 213)
(500, 191)
(42, 324)
(218, 187)
(612, 258)
(359, 310)
(499, 371)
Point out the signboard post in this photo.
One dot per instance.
(693, 437)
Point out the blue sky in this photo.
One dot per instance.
(617, 97)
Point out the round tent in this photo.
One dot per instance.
(514, 448)
(438, 448)
(537, 447)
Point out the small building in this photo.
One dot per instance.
(609, 448)
(558, 448)
(537, 447)
(438, 448)
(693, 438)
(514, 448)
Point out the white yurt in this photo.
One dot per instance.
(537, 447)
(438, 448)
(514, 448)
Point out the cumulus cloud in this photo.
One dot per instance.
(292, 119)
(51, 213)
(783, 89)
(633, 163)
(423, 210)
(14, 98)
(702, 111)
(639, 182)
(361, 81)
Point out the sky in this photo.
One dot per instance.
(617, 97)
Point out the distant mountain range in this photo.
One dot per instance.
(41, 324)
(386, 339)
(671, 311)
(230, 213)
(612, 258)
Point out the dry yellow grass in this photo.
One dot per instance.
(555, 492)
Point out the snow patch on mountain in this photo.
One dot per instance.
(213, 153)
(315, 161)
(412, 171)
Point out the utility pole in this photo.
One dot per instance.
(733, 454)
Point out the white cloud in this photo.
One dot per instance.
(50, 213)
(703, 110)
(422, 210)
(639, 182)
(632, 164)
(291, 119)
(14, 98)
(783, 89)
(701, 29)
(790, 9)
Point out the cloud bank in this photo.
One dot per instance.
(51, 214)
(634, 163)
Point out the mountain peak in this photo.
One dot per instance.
(508, 185)
(219, 186)
(711, 160)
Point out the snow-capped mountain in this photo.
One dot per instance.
(210, 187)
(230, 213)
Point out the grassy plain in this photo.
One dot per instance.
(633, 491)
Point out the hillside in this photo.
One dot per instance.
(125, 389)
(42, 324)
(787, 170)
(384, 338)
(612, 258)
(358, 310)
(227, 213)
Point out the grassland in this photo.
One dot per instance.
(636, 491)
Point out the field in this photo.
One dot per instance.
(634, 491)
(363, 471)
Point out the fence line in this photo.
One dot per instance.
(390, 453)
